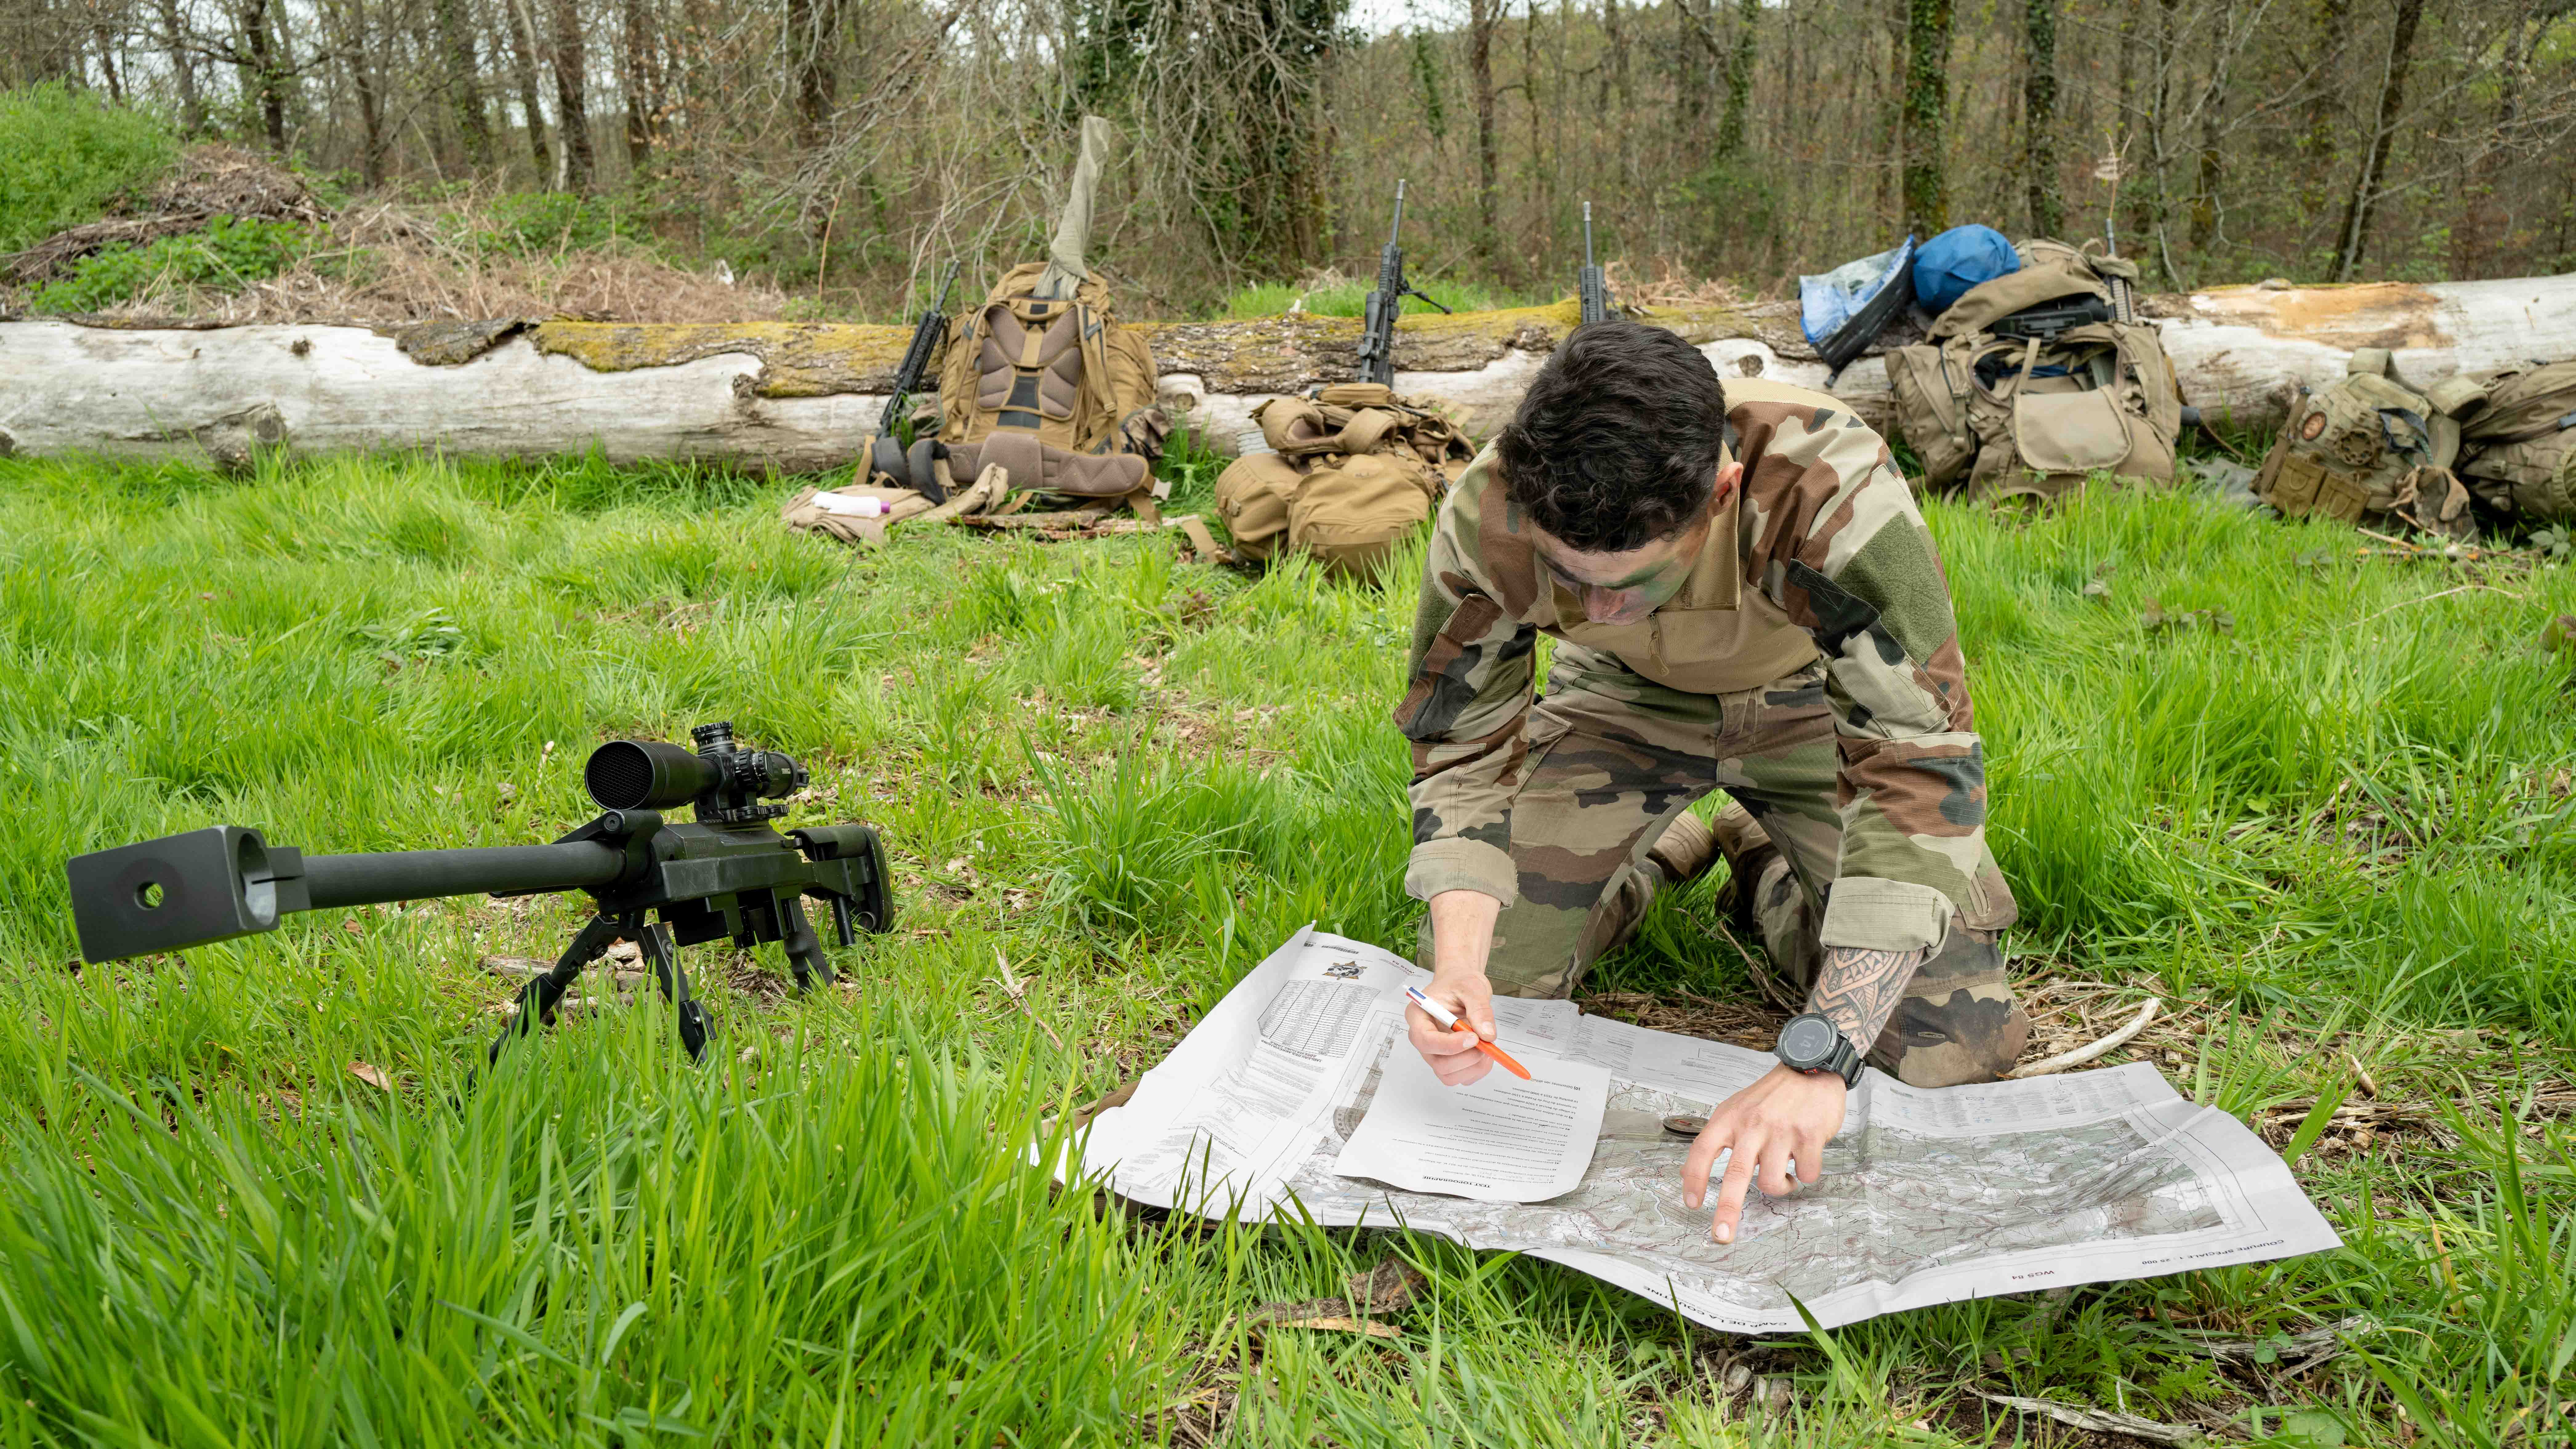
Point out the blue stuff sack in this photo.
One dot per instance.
(1828, 300)
(1958, 259)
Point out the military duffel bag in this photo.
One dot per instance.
(2370, 449)
(2518, 456)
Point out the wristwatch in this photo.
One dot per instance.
(1812, 1043)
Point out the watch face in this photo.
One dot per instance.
(1806, 1041)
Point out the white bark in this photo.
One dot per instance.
(144, 394)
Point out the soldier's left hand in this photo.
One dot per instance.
(1783, 1119)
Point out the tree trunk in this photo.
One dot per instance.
(465, 83)
(636, 59)
(523, 45)
(1927, 102)
(2327, 84)
(1481, 18)
(572, 112)
(107, 62)
(2204, 193)
(1619, 87)
(802, 395)
(181, 46)
(812, 39)
(2039, 115)
(263, 69)
(2352, 236)
(1739, 80)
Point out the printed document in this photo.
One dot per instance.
(1299, 1095)
(1498, 1139)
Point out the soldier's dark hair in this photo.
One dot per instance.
(1617, 441)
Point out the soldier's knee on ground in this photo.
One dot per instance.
(1958, 1022)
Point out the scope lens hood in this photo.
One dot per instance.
(646, 775)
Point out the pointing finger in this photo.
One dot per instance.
(1730, 1191)
(1712, 1140)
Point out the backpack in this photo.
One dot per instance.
(1346, 474)
(2006, 416)
(1058, 380)
(2371, 448)
(2520, 452)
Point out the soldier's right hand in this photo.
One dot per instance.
(1462, 935)
(1452, 1054)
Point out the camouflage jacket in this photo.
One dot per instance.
(1833, 560)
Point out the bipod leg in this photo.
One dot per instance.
(537, 999)
(804, 949)
(656, 940)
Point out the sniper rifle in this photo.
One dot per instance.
(1377, 333)
(927, 335)
(1589, 284)
(728, 873)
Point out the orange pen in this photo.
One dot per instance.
(1449, 1019)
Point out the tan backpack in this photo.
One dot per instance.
(2050, 271)
(2006, 416)
(2519, 454)
(1348, 473)
(2370, 449)
(1055, 390)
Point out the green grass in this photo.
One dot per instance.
(2340, 834)
(65, 154)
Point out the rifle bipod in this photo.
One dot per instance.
(539, 999)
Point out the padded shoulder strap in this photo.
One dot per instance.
(2371, 362)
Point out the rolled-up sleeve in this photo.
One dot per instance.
(1465, 709)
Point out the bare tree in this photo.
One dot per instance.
(2353, 234)
(564, 49)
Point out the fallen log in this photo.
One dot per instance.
(800, 396)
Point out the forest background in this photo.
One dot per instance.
(832, 154)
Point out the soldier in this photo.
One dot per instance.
(1743, 598)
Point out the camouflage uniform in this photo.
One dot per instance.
(1809, 668)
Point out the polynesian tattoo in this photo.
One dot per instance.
(1858, 990)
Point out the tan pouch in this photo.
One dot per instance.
(1932, 411)
(1252, 496)
(1352, 514)
(2071, 432)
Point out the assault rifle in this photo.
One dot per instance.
(1589, 284)
(728, 873)
(927, 335)
(1377, 334)
(2124, 305)
(2045, 321)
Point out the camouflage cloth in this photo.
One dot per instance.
(1811, 670)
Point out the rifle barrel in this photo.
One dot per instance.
(413, 875)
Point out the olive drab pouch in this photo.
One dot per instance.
(1344, 475)
(2518, 455)
(1060, 373)
(2369, 449)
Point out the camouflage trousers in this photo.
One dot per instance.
(1614, 757)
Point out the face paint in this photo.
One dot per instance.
(1622, 588)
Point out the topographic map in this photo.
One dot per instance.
(1926, 1196)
